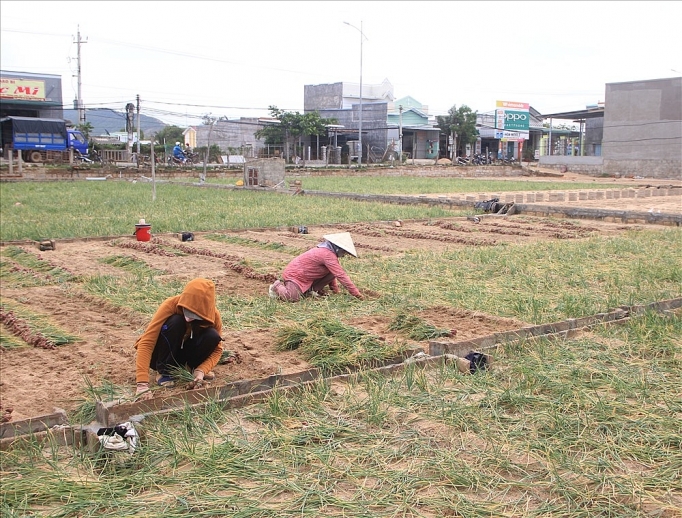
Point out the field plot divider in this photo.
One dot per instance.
(247, 392)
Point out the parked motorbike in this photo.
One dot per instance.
(479, 159)
(80, 158)
(462, 160)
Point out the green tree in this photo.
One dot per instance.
(85, 128)
(170, 135)
(460, 124)
(292, 127)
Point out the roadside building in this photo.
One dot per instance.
(233, 136)
(383, 118)
(420, 135)
(24, 94)
(643, 128)
(518, 144)
(637, 131)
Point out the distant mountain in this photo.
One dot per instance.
(104, 119)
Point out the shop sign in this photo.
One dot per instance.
(512, 116)
(24, 89)
(511, 135)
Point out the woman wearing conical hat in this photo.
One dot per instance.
(310, 273)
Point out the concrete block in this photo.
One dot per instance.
(600, 195)
(561, 196)
(582, 195)
(540, 196)
(591, 195)
(36, 424)
(530, 197)
(56, 436)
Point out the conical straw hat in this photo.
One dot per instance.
(342, 240)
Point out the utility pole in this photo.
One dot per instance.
(80, 107)
(362, 37)
(138, 130)
(129, 127)
(400, 134)
(207, 120)
(360, 125)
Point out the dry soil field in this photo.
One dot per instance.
(35, 381)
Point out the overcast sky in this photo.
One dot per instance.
(235, 59)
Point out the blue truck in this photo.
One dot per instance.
(42, 140)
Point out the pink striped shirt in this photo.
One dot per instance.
(315, 264)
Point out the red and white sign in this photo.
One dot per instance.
(513, 105)
(24, 89)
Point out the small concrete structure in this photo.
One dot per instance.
(264, 172)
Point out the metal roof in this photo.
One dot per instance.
(420, 127)
(591, 113)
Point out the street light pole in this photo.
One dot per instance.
(360, 125)
(362, 36)
(400, 134)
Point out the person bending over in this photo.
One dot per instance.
(184, 332)
(310, 273)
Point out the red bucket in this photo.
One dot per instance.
(143, 232)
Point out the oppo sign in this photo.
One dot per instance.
(512, 116)
(516, 121)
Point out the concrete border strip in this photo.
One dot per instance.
(247, 392)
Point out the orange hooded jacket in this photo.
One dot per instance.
(198, 297)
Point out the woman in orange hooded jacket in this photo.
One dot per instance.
(185, 330)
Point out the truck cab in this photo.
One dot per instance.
(77, 141)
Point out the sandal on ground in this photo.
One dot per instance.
(166, 381)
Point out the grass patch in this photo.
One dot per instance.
(584, 427)
(9, 340)
(254, 243)
(32, 327)
(416, 328)
(537, 283)
(57, 210)
(139, 293)
(22, 268)
(130, 264)
(332, 345)
(85, 412)
(423, 185)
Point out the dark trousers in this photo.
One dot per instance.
(321, 284)
(170, 350)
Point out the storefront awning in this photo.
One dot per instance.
(592, 113)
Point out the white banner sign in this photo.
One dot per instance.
(511, 135)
